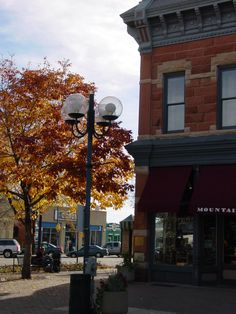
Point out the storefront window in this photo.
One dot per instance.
(96, 238)
(116, 238)
(173, 239)
(49, 235)
(70, 237)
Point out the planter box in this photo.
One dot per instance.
(115, 302)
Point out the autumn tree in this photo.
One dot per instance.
(40, 159)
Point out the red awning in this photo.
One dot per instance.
(215, 190)
(164, 189)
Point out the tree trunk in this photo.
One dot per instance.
(26, 271)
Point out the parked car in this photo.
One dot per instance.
(114, 248)
(50, 248)
(94, 250)
(9, 247)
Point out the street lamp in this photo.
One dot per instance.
(76, 107)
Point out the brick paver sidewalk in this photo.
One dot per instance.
(49, 294)
(39, 295)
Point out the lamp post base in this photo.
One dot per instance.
(80, 294)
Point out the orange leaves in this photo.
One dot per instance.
(43, 159)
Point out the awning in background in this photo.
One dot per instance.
(127, 223)
(215, 190)
(164, 189)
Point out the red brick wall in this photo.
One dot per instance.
(200, 88)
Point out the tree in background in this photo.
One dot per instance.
(40, 159)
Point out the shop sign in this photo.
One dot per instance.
(58, 227)
(223, 210)
(64, 215)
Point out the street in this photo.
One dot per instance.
(107, 260)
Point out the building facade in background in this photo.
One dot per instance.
(58, 227)
(113, 232)
(185, 155)
(127, 226)
(6, 219)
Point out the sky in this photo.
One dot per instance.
(92, 35)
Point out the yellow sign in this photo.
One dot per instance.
(139, 241)
(58, 227)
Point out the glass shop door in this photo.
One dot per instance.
(209, 241)
(211, 249)
(229, 244)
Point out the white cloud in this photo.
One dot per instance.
(119, 214)
(90, 33)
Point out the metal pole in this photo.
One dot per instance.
(80, 286)
(77, 246)
(39, 232)
(90, 125)
(58, 235)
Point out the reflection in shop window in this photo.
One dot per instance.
(173, 239)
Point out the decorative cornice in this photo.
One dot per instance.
(155, 23)
(201, 150)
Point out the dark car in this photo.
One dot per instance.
(50, 248)
(94, 250)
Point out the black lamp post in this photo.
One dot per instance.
(74, 109)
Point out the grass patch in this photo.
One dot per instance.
(64, 267)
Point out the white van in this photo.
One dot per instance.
(114, 248)
(9, 247)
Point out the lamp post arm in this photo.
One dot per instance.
(90, 129)
(77, 132)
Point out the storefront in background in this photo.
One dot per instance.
(59, 227)
(49, 232)
(113, 232)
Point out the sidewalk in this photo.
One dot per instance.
(49, 293)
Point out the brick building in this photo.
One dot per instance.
(185, 155)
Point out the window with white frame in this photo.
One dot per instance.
(227, 97)
(174, 106)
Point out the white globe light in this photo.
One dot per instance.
(75, 106)
(110, 108)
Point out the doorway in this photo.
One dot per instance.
(229, 271)
(218, 249)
